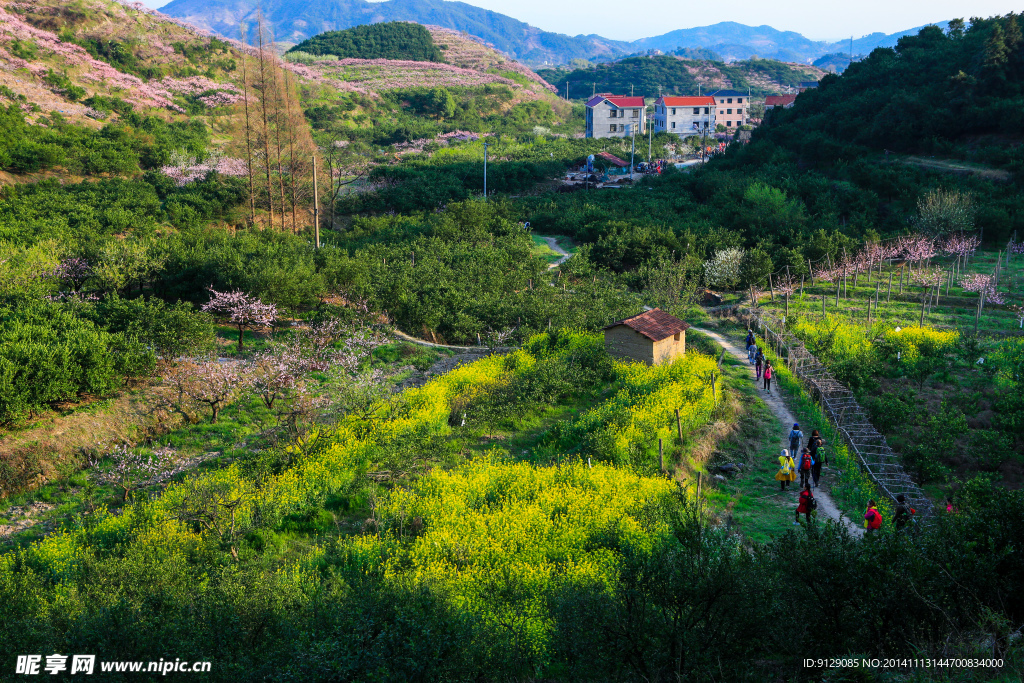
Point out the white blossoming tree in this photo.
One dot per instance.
(241, 310)
(723, 270)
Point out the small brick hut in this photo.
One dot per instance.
(651, 337)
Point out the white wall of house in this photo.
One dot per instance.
(605, 120)
(683, 121)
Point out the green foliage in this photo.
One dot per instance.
(928, 94)
(49, 355)
(386, 40)
(668, 75)
(171, 330)
(59, 81)
(121, 148)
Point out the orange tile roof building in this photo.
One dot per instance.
(784, 101)
(684, 116)
(651, 337)
(614, 116)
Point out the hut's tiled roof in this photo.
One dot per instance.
(654, 324)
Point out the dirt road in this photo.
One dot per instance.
(776, 402)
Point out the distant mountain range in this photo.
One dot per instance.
(295, 20)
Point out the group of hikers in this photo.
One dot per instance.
(762, 366)
(808, 460)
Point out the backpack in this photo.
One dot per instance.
(786, 469)
(805, 462)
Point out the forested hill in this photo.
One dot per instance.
(670, 75)
(388, 40)
(955, 93)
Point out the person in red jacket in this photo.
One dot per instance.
(872, 518)
(807, 505)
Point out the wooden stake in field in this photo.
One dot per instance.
(888, 296)
(679, 426)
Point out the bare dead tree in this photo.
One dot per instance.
(248, 132)
(265, 92)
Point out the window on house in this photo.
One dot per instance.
(739, 111)
(673, 111)
(721, 101)
(705, 110)
(611, 128)
(729, 100)
(728, 123)
(721, 112)
(696, 110)
(728, 111)
(677, 336)
(739, 100)
(673, 124)
(636, 113)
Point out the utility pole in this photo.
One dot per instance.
(485, 171)
(316, 207)
(650, 136)
(632, 151)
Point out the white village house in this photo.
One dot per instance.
(684, 116)
(613, 116)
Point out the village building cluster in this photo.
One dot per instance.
(619, 116)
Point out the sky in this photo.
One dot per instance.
(815, 19)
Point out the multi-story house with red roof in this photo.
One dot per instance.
(614, 116)
(684, 116)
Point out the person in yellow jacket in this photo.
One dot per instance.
(787, 469)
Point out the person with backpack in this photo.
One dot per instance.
(807, 506)
(872, 518)
(816, 446)
(787, 470)
(758, 363)
(768, 376)
(806, 464)
(750, 346)
(903, 512)
(795, 435)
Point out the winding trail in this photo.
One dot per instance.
(777, 404)
(555, 247)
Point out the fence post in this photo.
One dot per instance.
(679, 426)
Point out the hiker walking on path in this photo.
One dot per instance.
(903, 512)
(872, 518)
(768, 376)
(807, 505)
(750, 346)
(795, 435)
(816, 447)
(787, 470)
(806, 463)
(759, 363)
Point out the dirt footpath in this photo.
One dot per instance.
(777, 404)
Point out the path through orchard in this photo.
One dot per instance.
(777, 404)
